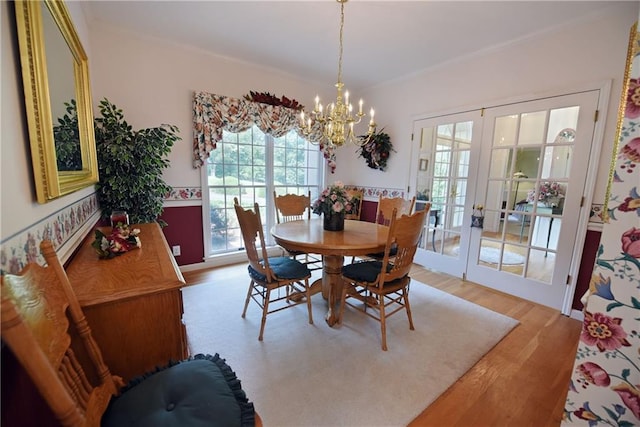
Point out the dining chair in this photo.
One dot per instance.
(46, 330)
(295, 207)
(356, 196)
(386, 205)
(292, 207)
(270, 274)
(382, 287)
(384, 212)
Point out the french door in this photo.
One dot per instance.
(526, 164)
(446, 161)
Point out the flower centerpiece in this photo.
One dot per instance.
(334, 202)
(549, 193)
(122, 239)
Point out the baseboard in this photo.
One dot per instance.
(227, 259)
(577, 314)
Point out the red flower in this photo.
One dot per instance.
(585, 413)
(122, 239)
(631, 242)
(631, 150)
(629, 205)
(603, 331)
(633, 99)
(594, 374)
(630, 397)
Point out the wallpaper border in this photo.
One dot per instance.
(65, 228)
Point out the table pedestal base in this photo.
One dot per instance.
(332, 285)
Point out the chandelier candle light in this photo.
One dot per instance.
(337, 119)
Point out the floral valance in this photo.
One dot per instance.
(214, 113)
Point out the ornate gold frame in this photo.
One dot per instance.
(51, 183)
(632, 50)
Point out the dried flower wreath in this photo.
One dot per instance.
(267, 98)
(376, 150)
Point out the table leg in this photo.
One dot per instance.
(548, 236)
(436, 221)
(332, 284)
(433, 240)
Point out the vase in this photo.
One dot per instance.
(334, 221)
(119, 217)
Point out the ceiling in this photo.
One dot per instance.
(383, 40)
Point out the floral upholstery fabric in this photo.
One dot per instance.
(605, 383)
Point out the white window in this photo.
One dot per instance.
(250, 165)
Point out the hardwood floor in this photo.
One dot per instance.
(522, 381)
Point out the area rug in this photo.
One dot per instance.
(492, 256)
(314, 375)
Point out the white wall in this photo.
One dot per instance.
(587, 52)
(153, 82)
(19, 209)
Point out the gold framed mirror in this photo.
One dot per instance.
(57, 94)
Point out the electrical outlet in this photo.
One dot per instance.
(176, 250)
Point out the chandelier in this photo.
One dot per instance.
(337, 119)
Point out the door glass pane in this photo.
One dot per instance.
(557, 162)
(457, 217)
(441, 165)
(451, 243)
(439, 191)
(527, 162)
(500, 160)
(562, 124)
(532, 128)
(540, 265)
(445, 131)
(463, 135)
(505, 130)
(508, 258)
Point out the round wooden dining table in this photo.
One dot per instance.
(309, 236)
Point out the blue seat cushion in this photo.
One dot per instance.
(366, 271)
(200, 391)
(379, 255)
(284, 268)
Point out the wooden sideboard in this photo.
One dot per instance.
(133, 303)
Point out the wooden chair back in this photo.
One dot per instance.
(292, 207)
(403, 239)
(38, 309)
(356, 197)
(253, 237)
(386, 205)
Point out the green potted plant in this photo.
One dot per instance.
(67, 139)
(130, 165)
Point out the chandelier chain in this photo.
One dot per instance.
(336, 120)
(341, 42)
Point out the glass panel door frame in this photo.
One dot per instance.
(549, 226)
(428, 257)
(445, 160)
